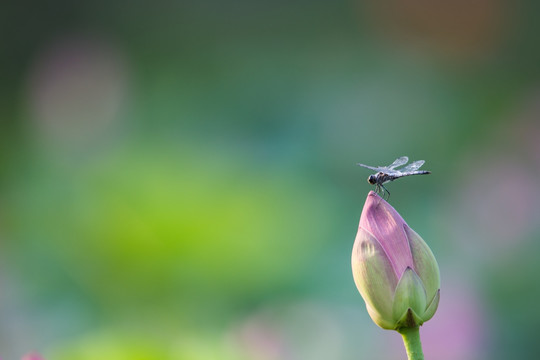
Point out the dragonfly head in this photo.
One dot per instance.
(372, 179)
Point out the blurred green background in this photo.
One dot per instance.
(178, 179)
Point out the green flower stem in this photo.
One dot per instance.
(411, 339)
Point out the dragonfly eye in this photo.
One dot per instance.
(371, 179)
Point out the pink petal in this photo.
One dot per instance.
(383, 222)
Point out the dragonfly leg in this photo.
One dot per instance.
(386, 191)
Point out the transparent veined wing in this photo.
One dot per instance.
(398, 162)
(413, 166)
(379, 168)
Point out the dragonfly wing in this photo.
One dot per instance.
(398, 162)
(371, 167)
(413, 166)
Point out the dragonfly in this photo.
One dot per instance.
(389, 173)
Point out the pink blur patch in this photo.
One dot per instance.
(76, 90)
(460, 310)
(32, 356)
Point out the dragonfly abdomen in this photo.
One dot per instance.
(418, 172)
(384, 178)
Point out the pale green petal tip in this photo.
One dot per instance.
(410, 294)
(424, 262)
(411, 319)
(432, 307)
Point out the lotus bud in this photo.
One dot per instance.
(393, 268)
